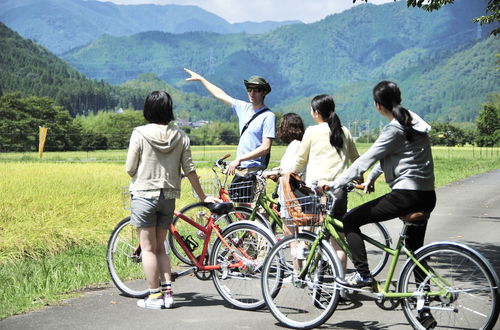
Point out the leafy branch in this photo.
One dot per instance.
(492, 10)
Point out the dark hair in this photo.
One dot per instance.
(325, 105)
(387, 94)
(291, 128)
(158, 108)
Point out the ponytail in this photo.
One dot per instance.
(388, 94)
(336, 132)
(325, 105)
(404, 118)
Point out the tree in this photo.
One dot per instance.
(109, 129)
(488, 123)
(492, 10)
(21, 118)
(447, 134)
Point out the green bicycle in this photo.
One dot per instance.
(267, 203)
(452, 283)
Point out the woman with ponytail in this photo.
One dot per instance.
(326, 148)
(325, 152)
(403, 153)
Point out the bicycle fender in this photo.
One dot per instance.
(465, 247)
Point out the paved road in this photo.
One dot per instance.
(468, 211)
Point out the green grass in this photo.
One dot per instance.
(31, 283)
(58, 212)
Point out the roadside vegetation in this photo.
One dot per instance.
(58, 211)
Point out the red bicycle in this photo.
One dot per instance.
(232, 257)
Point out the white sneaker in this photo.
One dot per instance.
(300, 252)
(151, 303)
(168, 299)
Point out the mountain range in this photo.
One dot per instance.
(444, 63)
(61, 25)
(344, 54)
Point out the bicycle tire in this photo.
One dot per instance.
(240, 287)
(125, 262)
(200, 213)
(301, 304)
(473, 301)
(377, 258)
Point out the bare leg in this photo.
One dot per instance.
(165, 269)
(340, 253)
(148, 237)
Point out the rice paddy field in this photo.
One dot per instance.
(58, 211)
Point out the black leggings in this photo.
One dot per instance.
(392, 205)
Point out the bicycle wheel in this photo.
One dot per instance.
(249, 243)
(377, 258)
(471, 298)
(123, 257)
(200, 213)
(300, 303)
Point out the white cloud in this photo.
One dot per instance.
(263, 10)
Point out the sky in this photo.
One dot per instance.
(235, 11)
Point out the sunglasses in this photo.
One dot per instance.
(255, 89)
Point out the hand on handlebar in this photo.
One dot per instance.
(231, 168)
(368, 187)
(271, 174)
(323, 185)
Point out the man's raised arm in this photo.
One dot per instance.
(214, 90)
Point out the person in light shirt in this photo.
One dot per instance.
(257, 133)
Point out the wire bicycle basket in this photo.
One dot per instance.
(126, 197)
(302, 211)
(243, 191)
(210, 186)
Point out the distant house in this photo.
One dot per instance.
(183, 123)
(199, 123)
(195, 124)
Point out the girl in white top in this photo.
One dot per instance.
(290, 131)
(326, 148)
(325, 152)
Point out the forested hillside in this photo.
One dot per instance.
(436, 57)
(61, 25)
(30, 69)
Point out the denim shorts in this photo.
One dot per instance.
(151, 212)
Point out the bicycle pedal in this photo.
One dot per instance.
(173, 276)
(225, 273)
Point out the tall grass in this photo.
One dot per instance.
(58, 212)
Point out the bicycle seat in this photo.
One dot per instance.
(220, 208)
(416, 218)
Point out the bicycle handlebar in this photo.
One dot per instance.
(348, 187)
(220, 163)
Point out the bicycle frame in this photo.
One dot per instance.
(329, 228)
(263, 200)
(269, 205)
(207, 230)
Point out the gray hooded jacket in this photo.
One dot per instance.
(155, 157)
(405, 164)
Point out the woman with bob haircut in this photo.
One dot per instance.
(158, 152)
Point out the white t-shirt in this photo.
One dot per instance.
(288, 159)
